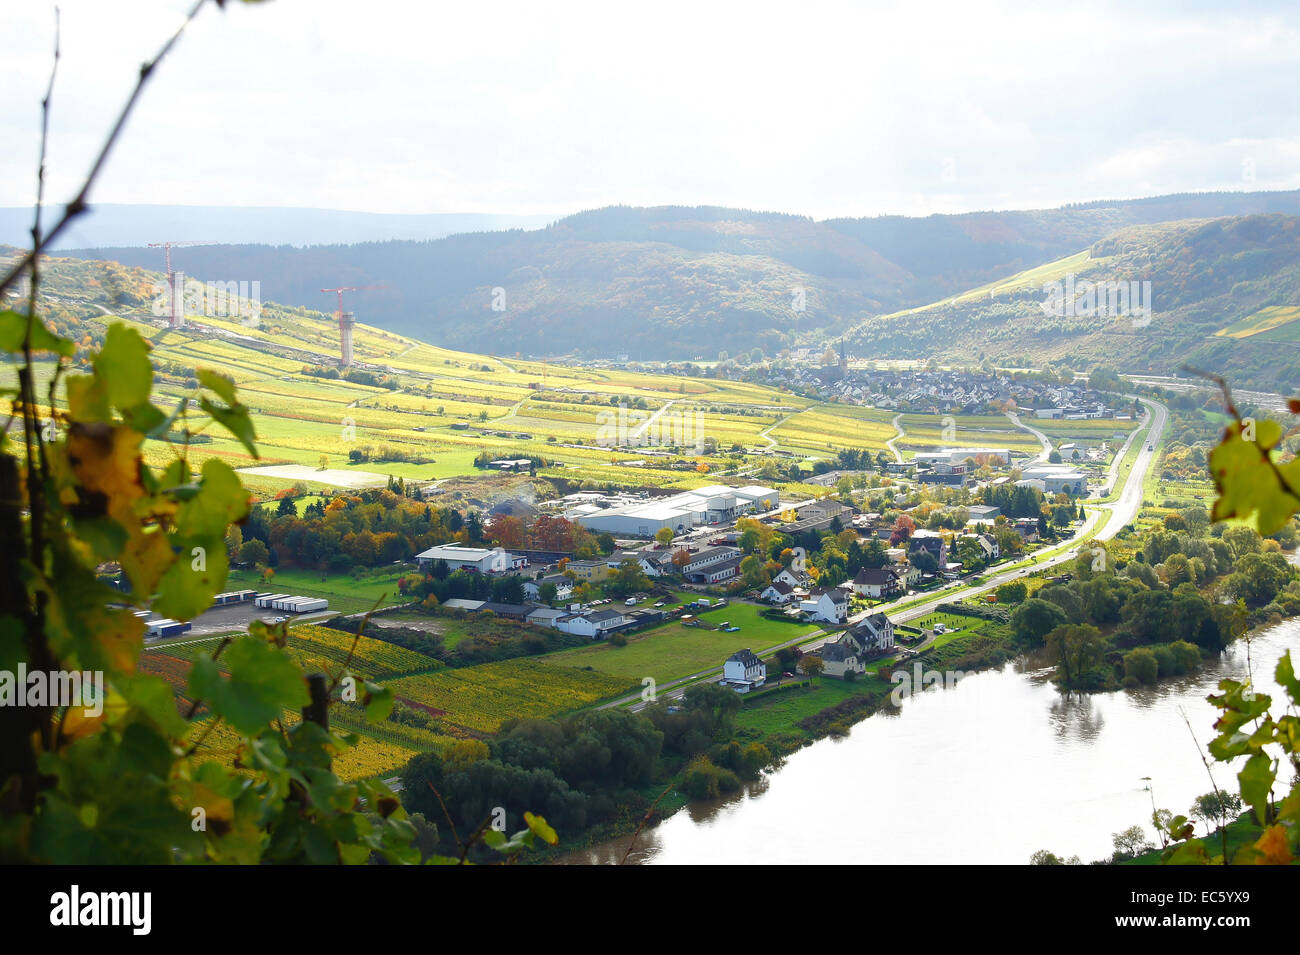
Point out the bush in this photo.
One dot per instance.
(703, 780)
(1141, 665)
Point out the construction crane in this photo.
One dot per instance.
(347, 320)
(176, 296)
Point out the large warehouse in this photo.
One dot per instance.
(478, 559)
(713, 504)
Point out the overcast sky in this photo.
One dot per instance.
(824, 109)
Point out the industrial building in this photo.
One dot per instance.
(961, 455)
(644, 517)
(1055, 479)
(481, 560)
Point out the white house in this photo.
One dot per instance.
(716, 573)
(840, 657)
(594, 625)
(709, 557)
(744, 671)
(778, 593)
(876, 582)
(875, 632)
(563, 587)
(829, 606)
(791, 578)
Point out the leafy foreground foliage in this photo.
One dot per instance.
(120, 777)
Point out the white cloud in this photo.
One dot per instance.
(837, 109)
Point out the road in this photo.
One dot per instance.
(898, 426)
(1122, 511)
(1042, 438)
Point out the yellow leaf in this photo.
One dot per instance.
(1273, 847)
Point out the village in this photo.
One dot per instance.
(678, 556)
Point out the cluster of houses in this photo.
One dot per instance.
(925, 391)
(848, 652)
(844, 656)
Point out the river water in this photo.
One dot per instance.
(987, 771)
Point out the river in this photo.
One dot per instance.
(987, 771)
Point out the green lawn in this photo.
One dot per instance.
(672, 650)
(781, 712)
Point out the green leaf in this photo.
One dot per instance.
(196, 576)
(144, 417)
(262, 682)
(378, 701)
(221, 500)
(222, 385)
(1286, 678)
(123, 366)
(236, 420)
(13, 329)
(1256, 779)
(87, 398)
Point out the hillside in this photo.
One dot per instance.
(1223, 295)
(679, 283)
(421, 412)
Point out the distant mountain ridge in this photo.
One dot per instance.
(114, 225)
(680, 283)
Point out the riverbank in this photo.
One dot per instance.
(999, 766)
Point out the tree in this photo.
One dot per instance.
(903, 529)
(1140, 666)
(1130, 843)
(664, 535)
(627, 578)
(1078, 650)
(811, 666)
(1034, 619)
(1216, 808)
(253, 552)
(1012, 592)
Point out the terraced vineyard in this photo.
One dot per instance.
(481, 698)
(430, 411)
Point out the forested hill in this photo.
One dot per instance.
(1224, 295)
(675, 282)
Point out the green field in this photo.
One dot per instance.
(673, 650)
(1265, 320)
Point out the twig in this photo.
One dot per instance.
(450, 821)
(641, 825)
(357, 639)
(80, 202)
(1223, 830)
(1231, 408)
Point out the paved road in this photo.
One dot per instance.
(897, 422)
(1042, 438)
(1122, 510)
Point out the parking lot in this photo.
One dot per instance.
(236, 617)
